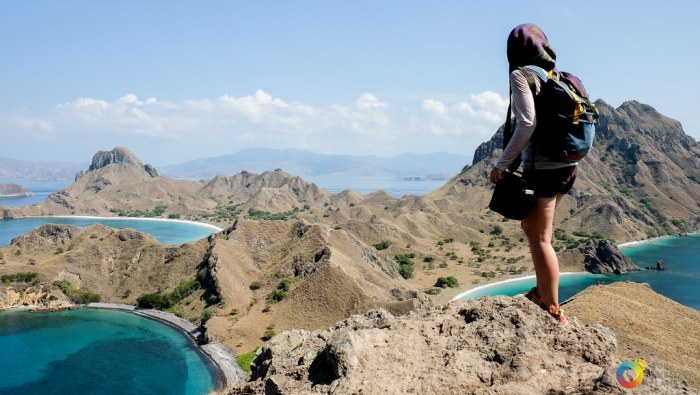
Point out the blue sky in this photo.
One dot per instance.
(175, 80)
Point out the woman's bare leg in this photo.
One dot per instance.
(538, 227)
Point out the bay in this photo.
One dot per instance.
(98, 352)
(680, 281)
(165, 231)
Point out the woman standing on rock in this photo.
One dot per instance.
(550, 180)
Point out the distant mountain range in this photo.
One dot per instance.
(302, 163)
(306, 163)
(38, 170)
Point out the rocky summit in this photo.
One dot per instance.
(492, 345)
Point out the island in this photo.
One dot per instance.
(13, 190)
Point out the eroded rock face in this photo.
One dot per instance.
(488, 346)
(118, 155)
(603, 257)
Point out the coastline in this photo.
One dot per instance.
(465, 292)
(219, 355)
(203, 224)
(653, 239)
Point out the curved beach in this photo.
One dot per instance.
(221, 356)
(469, 291)
(203, 224)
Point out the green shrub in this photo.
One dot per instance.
(428, 259)
(255, 285)
(444, 282)
(153, 301)
(207, 313)
(269, 333)
(276, 295)
(174, 216)
(405, 263)
(76, 295)
(382, 245)
(285, 284)
(488, 274)
(183, 290)
(22, 277)
(244, 360)
(256, 214)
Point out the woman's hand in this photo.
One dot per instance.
(496, 175)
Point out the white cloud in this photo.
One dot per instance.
(205, 127)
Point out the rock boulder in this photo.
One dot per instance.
(603, 257)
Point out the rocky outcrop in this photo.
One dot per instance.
(488, 148)
(497, 345)
(119, 155)
(603, 257)
(660, 266)
(13, 190)
(30, 297)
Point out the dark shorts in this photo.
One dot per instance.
(548, 183)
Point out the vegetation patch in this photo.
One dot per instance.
(256, 214)
(22, 277)
(281, 292)
(269, 333)
(155, 212)
(76, 295)
(406, 266)
(382, 245)
(164, 301)
(244, 360)
(445, 282)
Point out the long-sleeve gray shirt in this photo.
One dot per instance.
(523, 105)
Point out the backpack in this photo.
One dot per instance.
(566, 119)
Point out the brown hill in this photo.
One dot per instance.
(269, 273)
(291, 275)
(647, 325)
(117, 264)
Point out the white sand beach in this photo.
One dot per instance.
(468, 291)
(203, 224)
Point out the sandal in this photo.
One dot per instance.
(534, 297)
(559, 316)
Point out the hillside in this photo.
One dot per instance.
(117, 264)
(253, 276)
(646, 324)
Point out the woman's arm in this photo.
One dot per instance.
(524, 110)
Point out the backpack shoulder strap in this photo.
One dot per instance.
(532, 72)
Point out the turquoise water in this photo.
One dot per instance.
(90, 351)
(680, 281)
(166, 232)
(41, 189)
(569, 285)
